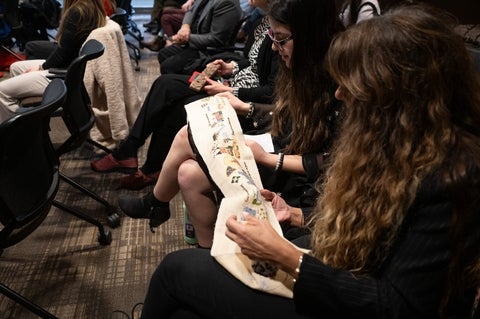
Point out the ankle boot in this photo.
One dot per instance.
(147, 207)
(156, 44)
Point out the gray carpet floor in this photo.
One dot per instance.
(63, 268)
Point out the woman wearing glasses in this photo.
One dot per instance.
(303, 127)
(162, 114)
(396, 229)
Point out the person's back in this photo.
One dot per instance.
(209, 23)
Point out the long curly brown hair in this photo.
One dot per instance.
(412, 100)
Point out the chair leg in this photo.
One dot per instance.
(100, 146)
(104, 238)
(135, 55)
(15, 296)
(112, 217)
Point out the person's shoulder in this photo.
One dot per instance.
(226, 2)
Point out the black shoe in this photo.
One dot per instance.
(147, 207)
(151, 24)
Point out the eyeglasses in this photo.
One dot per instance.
(278, 43)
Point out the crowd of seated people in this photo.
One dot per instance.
(304, 122)
(167, 18)
(370, 158)
(250, 78)
(395, 227)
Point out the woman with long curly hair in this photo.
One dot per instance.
(395, 230)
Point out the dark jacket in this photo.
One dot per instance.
(70, 43)
(267, 64)
(411, 281)
(216, 22)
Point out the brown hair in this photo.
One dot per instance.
(305, 90)
(88, 15)
(412, 102)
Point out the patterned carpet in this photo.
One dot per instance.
(63, 268)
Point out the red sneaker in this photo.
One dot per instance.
(138, 180)
(110, 164)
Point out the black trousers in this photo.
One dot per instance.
(39, 49)
(162, 115)
(191, 284)
(176, 59)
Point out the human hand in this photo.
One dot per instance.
(282, 210)
(258, 151)
(256, 238)
(183, 35)
(34, 68)
(213, 87)
(225, 69)
(239, 106)
(187, 5)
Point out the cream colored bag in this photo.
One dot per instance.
(218, 138)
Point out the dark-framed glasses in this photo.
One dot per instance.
(278, 43)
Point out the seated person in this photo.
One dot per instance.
(209, 23)
(167, 18)
(396, 227)
(163, 114)
(304, 125)
(29, 77)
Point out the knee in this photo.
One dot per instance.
(16, 68)
(182, 135)
(190, 176)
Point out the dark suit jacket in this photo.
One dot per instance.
(409, 284)
(217, 23)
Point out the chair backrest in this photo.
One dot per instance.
(77, 111)
(120, 16)
(28, 167)
(238, 25)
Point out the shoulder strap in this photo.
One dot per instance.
(371, 5)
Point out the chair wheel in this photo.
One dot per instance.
(137, 68)
(113, 220)
(105, 238)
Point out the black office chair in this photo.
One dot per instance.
(29, 176)
(121, 17)
(79, 118)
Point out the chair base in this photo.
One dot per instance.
(30, 305)
(104, 238)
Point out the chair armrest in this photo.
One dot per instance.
(56, 73)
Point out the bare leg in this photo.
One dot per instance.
(200, 200)
(155, 205)
(167, 184)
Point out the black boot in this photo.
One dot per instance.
(151, 24)
(147, 207)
